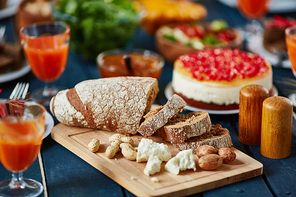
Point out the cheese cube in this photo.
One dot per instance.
(147, 148)
(182, 161)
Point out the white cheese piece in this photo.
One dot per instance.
(181, 36)
(147, 147)
(182, 161)
(173, 166)
(153, 165)
(165, 30)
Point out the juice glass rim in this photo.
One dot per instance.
(67, 29)
(28, 103)
(118, 51)
(288, 32)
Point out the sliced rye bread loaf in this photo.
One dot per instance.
(159, 117)
(116, 104)
(218, 137)
(182, 127)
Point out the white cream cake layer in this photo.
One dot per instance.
(213, 92)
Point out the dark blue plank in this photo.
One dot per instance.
(284, 80)
(280, 173)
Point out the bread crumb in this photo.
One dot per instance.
(155, 180)
(115, 159)
(132, 178)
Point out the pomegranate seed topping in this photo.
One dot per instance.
(223, 64)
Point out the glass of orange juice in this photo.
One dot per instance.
(46, 47)
(253, 10)
(22, 127)
(291, 47)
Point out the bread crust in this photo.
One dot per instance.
(116, 104)
(182, 127)
(159, 117)
(218, 137)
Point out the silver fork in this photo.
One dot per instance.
(20, 91)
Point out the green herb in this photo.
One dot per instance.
(210, 40)
(218, 25)
(170, 37)
(98, 25)
(188, 44)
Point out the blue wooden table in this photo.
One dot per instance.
(65, 174)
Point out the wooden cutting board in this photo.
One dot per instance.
(129, 174)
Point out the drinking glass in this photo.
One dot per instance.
(22, 127)
(46, 47)
(253, 10)
(291, 48)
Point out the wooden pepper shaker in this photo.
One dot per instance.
(250, 112)
(276, 135)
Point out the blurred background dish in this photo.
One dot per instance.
(177, 39)
(255, 45)
(33, 11)
(97, 26)
(3, 4)
(275, 6)
(11, 57)
(9, 8)
(167, 11)
(5, 77)
(274, 33)
(272, 44)
(133, 62)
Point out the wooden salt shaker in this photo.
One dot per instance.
(250, 112)
(276, 136)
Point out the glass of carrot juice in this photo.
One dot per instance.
(291, 47)
(46, 48)
(22, 127)
(253, 10)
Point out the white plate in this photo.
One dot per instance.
(275, 6)
(254, 45)
(49, 123)
(168, 91)
(10, 9)
(15, 74)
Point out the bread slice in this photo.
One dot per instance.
(182, 127)
(159, 117)
(218, 137)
